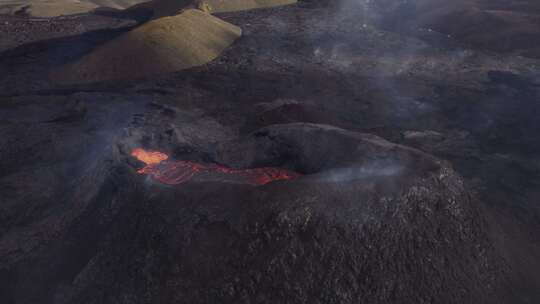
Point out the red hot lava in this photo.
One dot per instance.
(171, 172)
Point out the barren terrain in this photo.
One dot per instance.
(408, 133)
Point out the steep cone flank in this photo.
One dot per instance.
(161, 8)
(164, 45)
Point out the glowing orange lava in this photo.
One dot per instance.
(164, 170)
(149, 157)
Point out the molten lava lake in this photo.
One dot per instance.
(173, 172)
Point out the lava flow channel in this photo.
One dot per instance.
(172, 172)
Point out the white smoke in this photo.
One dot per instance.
(367, 171)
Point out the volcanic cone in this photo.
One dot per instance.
(163, 45)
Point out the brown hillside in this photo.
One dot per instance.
(163, 45)
(53, 8)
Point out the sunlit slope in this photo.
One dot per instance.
(163, 45)
(46, 8)
(53, 8)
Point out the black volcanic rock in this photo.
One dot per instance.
(315, 148)
(500, 26)
(376, 222)
(369, 221)
(293, 243)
